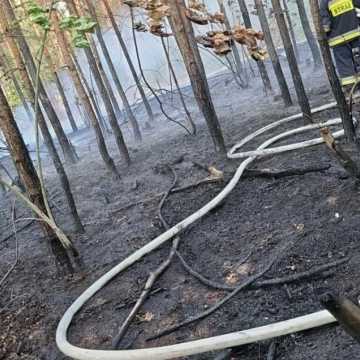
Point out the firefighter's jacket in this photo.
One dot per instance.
(340, 20)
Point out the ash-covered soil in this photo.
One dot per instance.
(316, 213)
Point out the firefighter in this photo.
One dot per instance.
(340, 20)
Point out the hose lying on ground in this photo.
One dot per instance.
(218, 342)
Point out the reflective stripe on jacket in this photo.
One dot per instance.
(339, 20)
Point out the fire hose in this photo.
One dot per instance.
(230, 340)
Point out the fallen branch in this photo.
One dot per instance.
(269, 282)
(173, 191)
(153, 276)
(278, 174)
(212, 309)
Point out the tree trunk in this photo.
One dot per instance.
(262, 68)
(298, 83)
(308, 33)
(331, 73)
(5, 66)
(28, 176)
(46, 134)
(108, 106)
(108, 87)
(173, 74)
(128, 60)
(129, 112)
(184, 34)
(69, 60)
(285, 93)
(97, 70)
(291, 29)
(67, 148)
(234, 48)
(65, 102)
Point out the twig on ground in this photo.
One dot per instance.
(175, 190)
(153, 275)
(272, 351)
(228, 297)
(224, 355)
(13, 215)
(248, 174)
(8, 237)
(268, 282)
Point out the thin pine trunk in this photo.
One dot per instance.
(65, 102)
(298, 83)
(96, 67)
(45, 132)
(128, 60)
(291, 29)
(261, 65)
(331, 73)
(235, 51)
(4, 64)
(182, 99)
(184, 34)
(28, 176)
(133, 121)
(79, 86)
(68, 150)
(308, 33)
(285, 93)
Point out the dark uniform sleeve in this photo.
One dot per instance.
(325, 15)
(356, 3)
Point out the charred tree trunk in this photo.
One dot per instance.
(285, 93)
(234, 48)
(128, 59)
(291, 29)
(106, 81)
(65, 102)
(184, 34)
(69, 60)
(331, 73)
(182, 99)
(262, 68)
(28, 176)
(4, 64)
(96, 69)
(67, 148)
(298, 83)
(45, 131)
(133, 121)
(308, 33)
(108, 106)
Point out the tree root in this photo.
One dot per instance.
(153, 275)
(269, 282)
(212, 309)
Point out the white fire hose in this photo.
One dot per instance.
(230, 340)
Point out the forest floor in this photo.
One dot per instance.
(317, 212)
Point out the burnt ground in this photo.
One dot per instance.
(317, 212)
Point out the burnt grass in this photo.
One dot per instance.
(318, 213)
